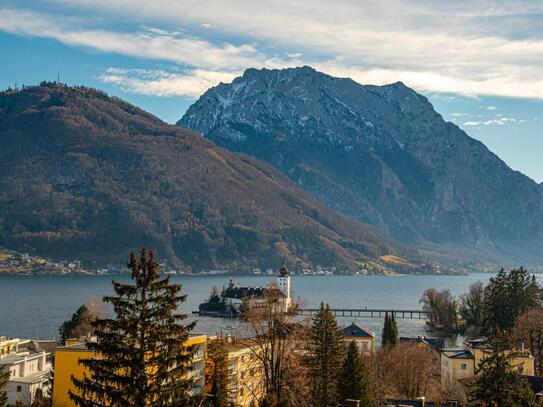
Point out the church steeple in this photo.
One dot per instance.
(283, 271)
(283, 283)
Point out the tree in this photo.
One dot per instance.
(471, 306)
(389, 336)
(81, 322)
(441, 307)
(327, 352)
(141, 357)
(218, 372)
(275, 335)
(506, 296)
(355, 381)
(4, 378)
(498, 383)
(528, 330)
(407, 371)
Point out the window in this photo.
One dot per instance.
(463, 366)
(19, 389)
(241, 392)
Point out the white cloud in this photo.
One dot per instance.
(499, 121)
(453, 47)
(491, 108)
(473, 123)
(158, 82)
(150, 43)
(456, 114)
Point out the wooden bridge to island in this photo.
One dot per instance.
(370, 312)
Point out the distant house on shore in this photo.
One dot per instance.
(363, 337)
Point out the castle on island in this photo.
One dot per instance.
(228, 302)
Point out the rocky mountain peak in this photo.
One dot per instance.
(380, 154)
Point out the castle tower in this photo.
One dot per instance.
(283, 283)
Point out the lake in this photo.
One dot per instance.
(34, 306)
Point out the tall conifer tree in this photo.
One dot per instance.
(506, 296)
(327, 353)
(4, 378)
(355, 382)
(389, 336)
(394, 335)
(386, 331)
(141, 357)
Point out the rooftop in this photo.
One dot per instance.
(358, 331)
(457, 354)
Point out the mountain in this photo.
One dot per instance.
(89, 177)
(382, 155)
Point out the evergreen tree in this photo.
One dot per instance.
(498, 382)
(327, 353)
(4, 378)
(355, 382)
(507, 296)
(389, 336)
(386, 331)
(394, 336)
(141, 356)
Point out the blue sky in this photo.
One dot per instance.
(479, 62)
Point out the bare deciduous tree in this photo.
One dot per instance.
(528, 330)
(277, 337)
(407, 371)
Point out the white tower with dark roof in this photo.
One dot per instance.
(283, 283)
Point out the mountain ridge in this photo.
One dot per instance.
(88, 176)
(379, 154)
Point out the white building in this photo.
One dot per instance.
(28, 370)
(283, 283)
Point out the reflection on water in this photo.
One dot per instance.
(34, 306)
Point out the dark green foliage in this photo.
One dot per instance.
(498, 382)
(327, 353)
(4, 378)
(78, 325)
(217, 355)
(389, 336)
(355, 382)
(506, 296)
(143, 359)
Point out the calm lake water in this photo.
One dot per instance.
(34, 306)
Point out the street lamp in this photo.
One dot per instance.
(423, 400)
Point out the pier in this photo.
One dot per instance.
(370, 312)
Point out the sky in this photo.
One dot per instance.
(479, 62)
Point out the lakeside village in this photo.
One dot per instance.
(12, 262)
(282, 360)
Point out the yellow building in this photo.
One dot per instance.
(245, 376)
(67, 365)
(458, 364)
(364, 338)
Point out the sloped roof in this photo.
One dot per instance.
(434, 343)
(458, 354)
(357, 331)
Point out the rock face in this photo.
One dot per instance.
(380, 154)
(89, 177)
